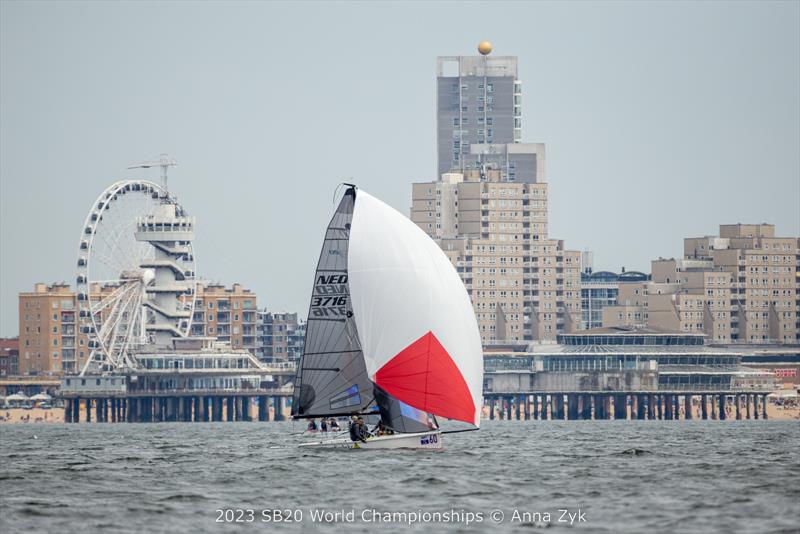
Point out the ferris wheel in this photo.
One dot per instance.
(136, 273)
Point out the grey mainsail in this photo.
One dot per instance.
(332, 377)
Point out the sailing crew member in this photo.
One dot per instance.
(312, 425)
(381, 429)
(334, 425)
(323, 425)
(358, 431)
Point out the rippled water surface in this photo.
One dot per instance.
(624, 476)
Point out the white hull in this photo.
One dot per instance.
(421, 440)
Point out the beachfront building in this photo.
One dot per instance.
(281, 336)
(226, 313)
(49, 339)
(623, 372)
(600, 289)
(9, 356)
(739, 287)
(488, 207)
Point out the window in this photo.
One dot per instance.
(456, 121)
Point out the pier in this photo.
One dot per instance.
(641, 374)
(592, 405)
(198, 380)
(197, 406)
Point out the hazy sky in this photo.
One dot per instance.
(661, 121)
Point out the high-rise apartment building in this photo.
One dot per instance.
(524, 286)
(281, 336)
(229, 314)
(49, 339)
(763, 269)
(488, 207)
(479, 119)
(739, 287)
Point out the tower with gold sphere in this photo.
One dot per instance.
(479, 116)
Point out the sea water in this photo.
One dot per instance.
(593, 476)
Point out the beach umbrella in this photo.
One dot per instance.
(17, 397)
(41, 397)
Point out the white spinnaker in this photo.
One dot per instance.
(403, 286)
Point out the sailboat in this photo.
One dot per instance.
(390, 332)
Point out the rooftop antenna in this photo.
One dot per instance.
(164, 161)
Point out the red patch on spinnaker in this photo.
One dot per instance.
(424, 376)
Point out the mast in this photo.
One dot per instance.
(332, 378)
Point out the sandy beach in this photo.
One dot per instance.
(35, 415)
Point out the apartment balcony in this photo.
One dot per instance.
(223, 305)
(67, 317)
(223, 317)
(249, 317)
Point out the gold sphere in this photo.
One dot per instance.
(485, 48)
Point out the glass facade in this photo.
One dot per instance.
(601, 289)
(631, 339)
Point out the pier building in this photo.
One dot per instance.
(199, 379)
(621, 373)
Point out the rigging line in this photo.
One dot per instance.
(332, 352)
